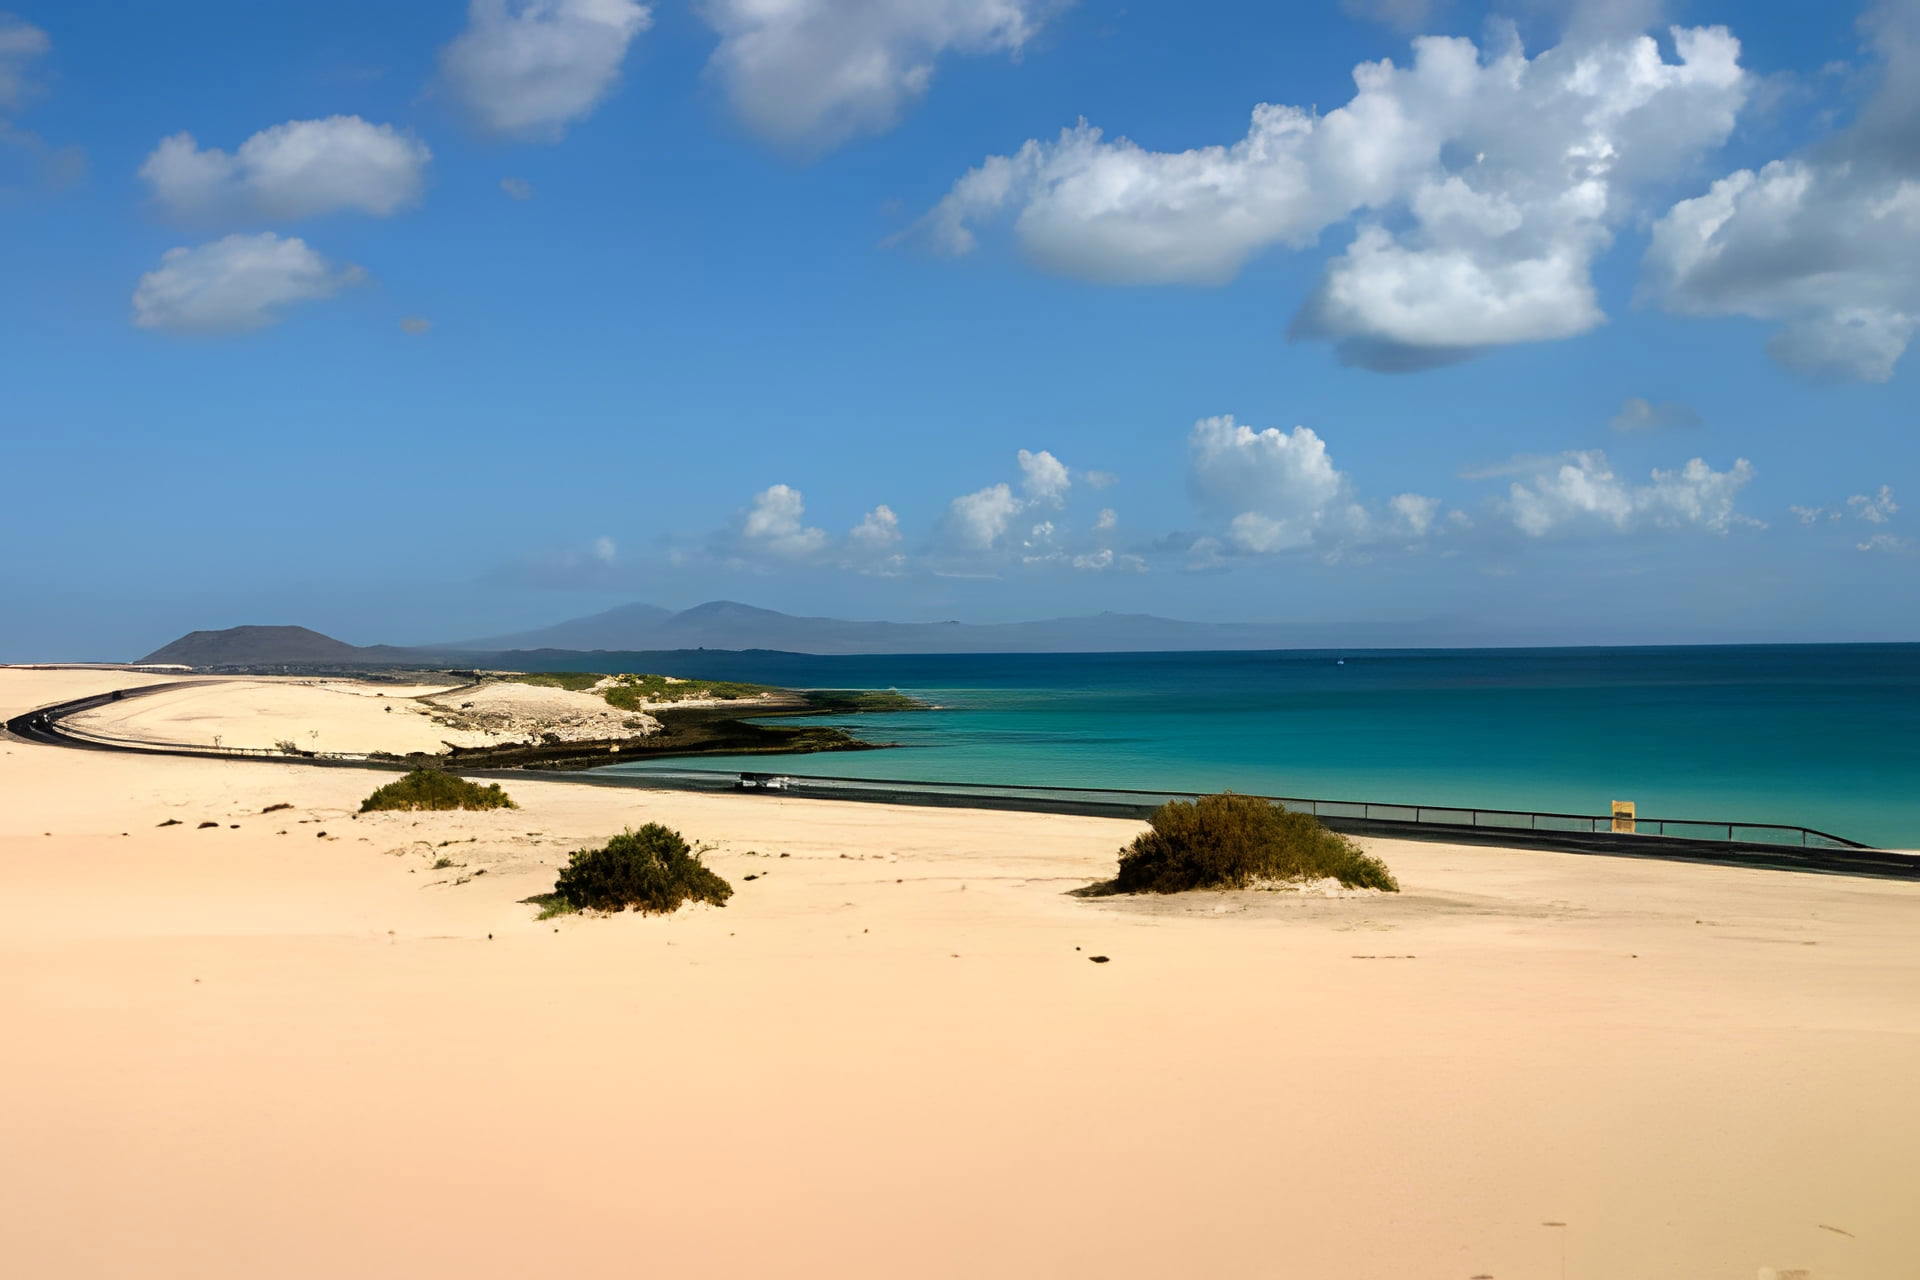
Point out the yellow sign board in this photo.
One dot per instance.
(1623, 816)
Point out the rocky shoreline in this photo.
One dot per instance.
(692, 732)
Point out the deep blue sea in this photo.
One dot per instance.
(1824, 736)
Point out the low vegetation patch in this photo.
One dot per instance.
(650, 870)
(631, 692)
(436, 789)
(576, 681)
(1229, 841)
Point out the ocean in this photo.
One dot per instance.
(1823, 736)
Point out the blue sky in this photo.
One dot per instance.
(1575, 323)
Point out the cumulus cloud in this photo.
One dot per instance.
(1890, 543)
(811, 74)
(979, 520)
(234, 284)
(878, 529)
(1583, 492)
(22, 45)
(527, 69)
(1826, 242)
(775, 524)
(1485, 183)
(299, 169)
(1280, 488)
(1639, 414)
(1044, 477)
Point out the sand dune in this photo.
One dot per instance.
(356, 717)
(292, 1045)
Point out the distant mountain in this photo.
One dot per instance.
(728, 624)
(273, 647)
(609, 630)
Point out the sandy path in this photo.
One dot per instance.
(241, 1053)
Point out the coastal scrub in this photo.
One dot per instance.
(650, 870)
(1230, 841)
(436, 789)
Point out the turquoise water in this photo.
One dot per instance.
(1824, 736)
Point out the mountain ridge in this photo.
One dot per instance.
(732, 626)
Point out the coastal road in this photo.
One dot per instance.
(41, 726)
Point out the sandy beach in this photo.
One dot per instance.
(305, 1043)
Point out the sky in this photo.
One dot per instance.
(1538, 322)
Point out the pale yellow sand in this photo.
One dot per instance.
(346, 716)
(236, 1053)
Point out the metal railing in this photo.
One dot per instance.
(1139, 802)
(1117, 802)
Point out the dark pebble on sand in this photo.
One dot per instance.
(1099, 959)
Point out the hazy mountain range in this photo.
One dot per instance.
(726, 624)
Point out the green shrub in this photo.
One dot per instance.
(436, 789)
(577, 681)
(651, 870)
(630, 691)
(1231, 842)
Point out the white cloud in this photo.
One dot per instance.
(1281, 492)
(1280, 488)
(23, 152)
(979, 520)
(299, 169)
(1414, 512)
(1044, 477)
(1875, 508)
(529, 68)
(517, 188)
(1106, 559)
(1584, 492)
(1826, 242)
(878, 530)
(1099, 479)
(234, 284)
(21, 46)
(1106, 520)
(605, 550)
(775, 523)
(1890, 543)
(1486, 184)
(1639, 414)
(811, 74)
